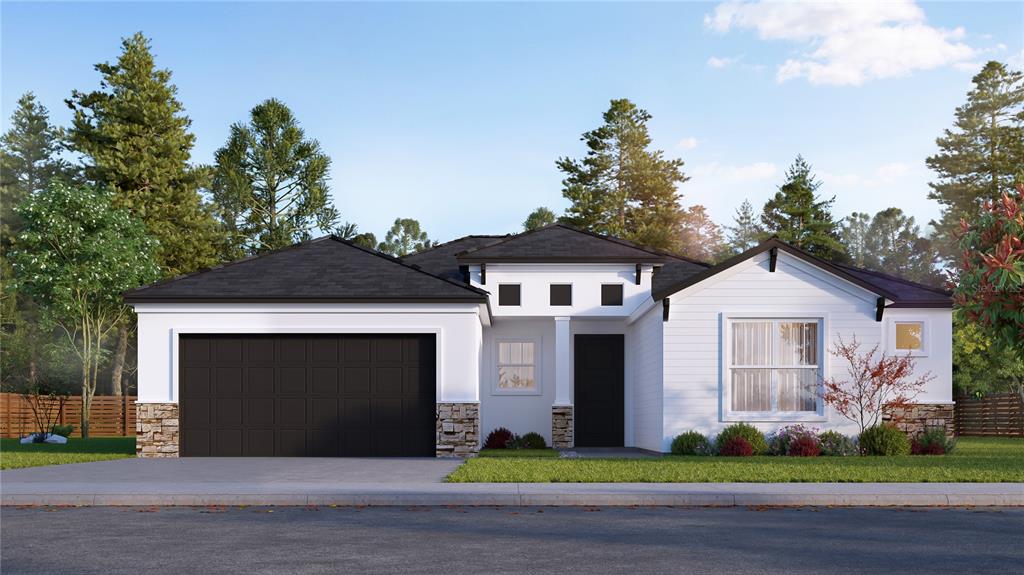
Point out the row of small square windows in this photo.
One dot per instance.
(561, 294)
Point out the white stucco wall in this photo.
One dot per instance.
(693, 358)
(457, 327)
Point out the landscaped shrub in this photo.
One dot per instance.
(835, 443)
(498, 439)
(532, 440)
(778, 441)
(884, 440)
(64, 430)
(736, 446)
(932, 442)
(690, 443)
(754, 438)
(804, 446)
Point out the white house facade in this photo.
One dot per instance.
(329, 349)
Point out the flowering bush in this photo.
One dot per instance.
(835, 443)
(778, 441)
(736, 446)
(498, 439)
(932, 442)
(804, 446)
(753, 437)
(691, 443)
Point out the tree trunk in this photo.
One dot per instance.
(85, 405)
(117, 371)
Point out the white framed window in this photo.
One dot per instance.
(518, 367)
(773, 368)
(909, 336)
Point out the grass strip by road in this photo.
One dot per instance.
(14, 455)
(975, 460)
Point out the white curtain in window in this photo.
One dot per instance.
(797, 389)
(798, 343)
(751, 390)
(752, 343)
(516, 365)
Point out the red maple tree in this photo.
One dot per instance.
(877, 384)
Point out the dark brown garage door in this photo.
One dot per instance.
(307, 395)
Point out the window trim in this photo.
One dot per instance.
(518, 285)
(622, 295)
(725, 371)
(926, 336)
(538, 388)
(567, 284)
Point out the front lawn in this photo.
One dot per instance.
(13, 455)
(518, 453)
(974, 460)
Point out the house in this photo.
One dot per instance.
(329, 349)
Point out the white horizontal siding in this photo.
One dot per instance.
(646, 338)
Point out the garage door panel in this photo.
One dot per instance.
(307, 395)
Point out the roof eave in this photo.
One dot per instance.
(232, 300)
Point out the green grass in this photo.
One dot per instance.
(974, 460)
(518, 453)
(13, 455)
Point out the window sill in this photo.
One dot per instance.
(525, 393)
(777, 417)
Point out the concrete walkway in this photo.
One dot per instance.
(409, 482)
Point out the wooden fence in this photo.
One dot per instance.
(995, 414)
(110, 416)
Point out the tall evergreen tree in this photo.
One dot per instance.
(745, 232)
(134, 136)
(271, 181)
(538, 219)
(621, 187)
(798, 216)
(701, 238)
(405, 237)
(894, 244)
(854, 233)
(982, 155)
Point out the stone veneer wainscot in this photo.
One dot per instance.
(156, 430)
(458, 429)
(562, 427)
(920, 416)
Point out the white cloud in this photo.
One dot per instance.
(733, 174)
(687, 143)
(847, 43)
(716, 62)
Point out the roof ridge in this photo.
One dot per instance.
(443, 244)
(570, 227)
(398, 261)
(895, 278)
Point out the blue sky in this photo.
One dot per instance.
(454, 114)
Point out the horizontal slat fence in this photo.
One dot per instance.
(996, 414)
(110, 416)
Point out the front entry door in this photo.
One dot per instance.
(599, 387)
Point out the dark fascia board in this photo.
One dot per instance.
(937, 304)
(763, 247)
(142, 299)
(468, 259)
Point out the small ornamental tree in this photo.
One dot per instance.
(989, 284)
(877, 384)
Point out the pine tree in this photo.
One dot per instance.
(405, 237)
(701, 238)
(894, 244)
(854, 233)
(983, 155)
(745, 232)
(538, 219)
(797, 216)
(622, 188)
(272, 181)
(134, 135)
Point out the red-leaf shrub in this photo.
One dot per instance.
(804, 446)
(918, 448)
(498, 439)
(736, 447)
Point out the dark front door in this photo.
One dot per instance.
(307, 395)
(599, 390)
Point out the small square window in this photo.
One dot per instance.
(561, 294)
(611, 294)
(909, 336)
(508, 294)
(517, 361)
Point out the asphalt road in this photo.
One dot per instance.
(510, 540)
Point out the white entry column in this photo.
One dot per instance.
(561, 409)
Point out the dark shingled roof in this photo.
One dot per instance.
(563, 243)
(674, 271)
(327, 269)
(901, 292)
(440, 259)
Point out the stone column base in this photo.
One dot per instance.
(562, 427)
(458, 429)
(156, 429)
(916, 418)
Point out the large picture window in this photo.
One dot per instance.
(517, 364)
(774, 366)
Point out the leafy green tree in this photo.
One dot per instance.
(134, 137)
(981, 365)
(745, 232)
(405, 237)
(538, 219)
(989, 279)
(853, 231)
(982, 155)
(798, 216)
(76, 256)
(621, 187)
(272, 181)
(366, 239)
(894, 244)
(701, 238)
